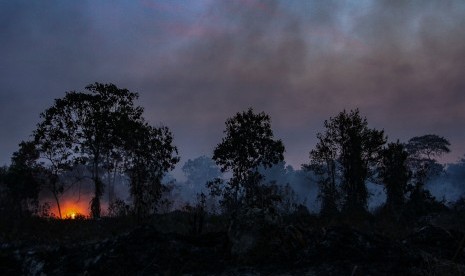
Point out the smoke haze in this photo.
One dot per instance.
(196, 63)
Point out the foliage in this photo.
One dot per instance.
(150, 154)
(5, 204)
(118, 208)
(288, 201)
(20, 184)
(423, 151)
(196, 214)
(103, 129)
(394, 173)
(166, 202)
(249, 144)
(44, 210)
(86, 127)
(323, 162)
(346, 154)
(428, 146)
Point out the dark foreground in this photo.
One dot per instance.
(299, 248)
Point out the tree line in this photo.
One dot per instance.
(103, 132)
(349, 154)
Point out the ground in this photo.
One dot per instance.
(297, 245)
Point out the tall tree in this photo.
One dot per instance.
(249, 144)
(394, 173)
(351, 149)
(4, 198)
(56, 157)
(323, 162)
(86, 127)
(22, 181)
(150, 154)
(423, 153)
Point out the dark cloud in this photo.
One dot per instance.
(197, 63)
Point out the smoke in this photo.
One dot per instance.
(399, 63)
(450, 185)
(78, 191)
(75, 199)
(377, 195)
(202, 169)
(196, 63)
(302, 183)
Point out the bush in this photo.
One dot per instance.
(118, 208)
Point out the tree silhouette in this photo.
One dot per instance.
(346, 153)
(103, 129)
(249, 144)
(149, 155)
(423, 151)
(21, 180)
(394, 173)
(323, 162)
(54, 150)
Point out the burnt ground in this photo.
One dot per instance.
(297, 246)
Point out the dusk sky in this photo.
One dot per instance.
(196, 63)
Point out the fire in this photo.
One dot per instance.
(70, 209)
(71, 215)
(73, 206)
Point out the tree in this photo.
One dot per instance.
(249, 144)
(4, 198)
(323, 162)
(88, 128)
(56, 157)
(289, 202)
(394, 173)
(423, 151)
(346, 153)
(150, 154)
(21, 180)
(196, 214)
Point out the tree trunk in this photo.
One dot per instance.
(95, 202)
(58, 204)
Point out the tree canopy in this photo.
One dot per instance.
(149, 154)
(103, 129)
(248, 145)
(21, 181)
(423, 153)
(346, 154)
(394, 173)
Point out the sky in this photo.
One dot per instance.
(196, 63)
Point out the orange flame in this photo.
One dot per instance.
(70, 209)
